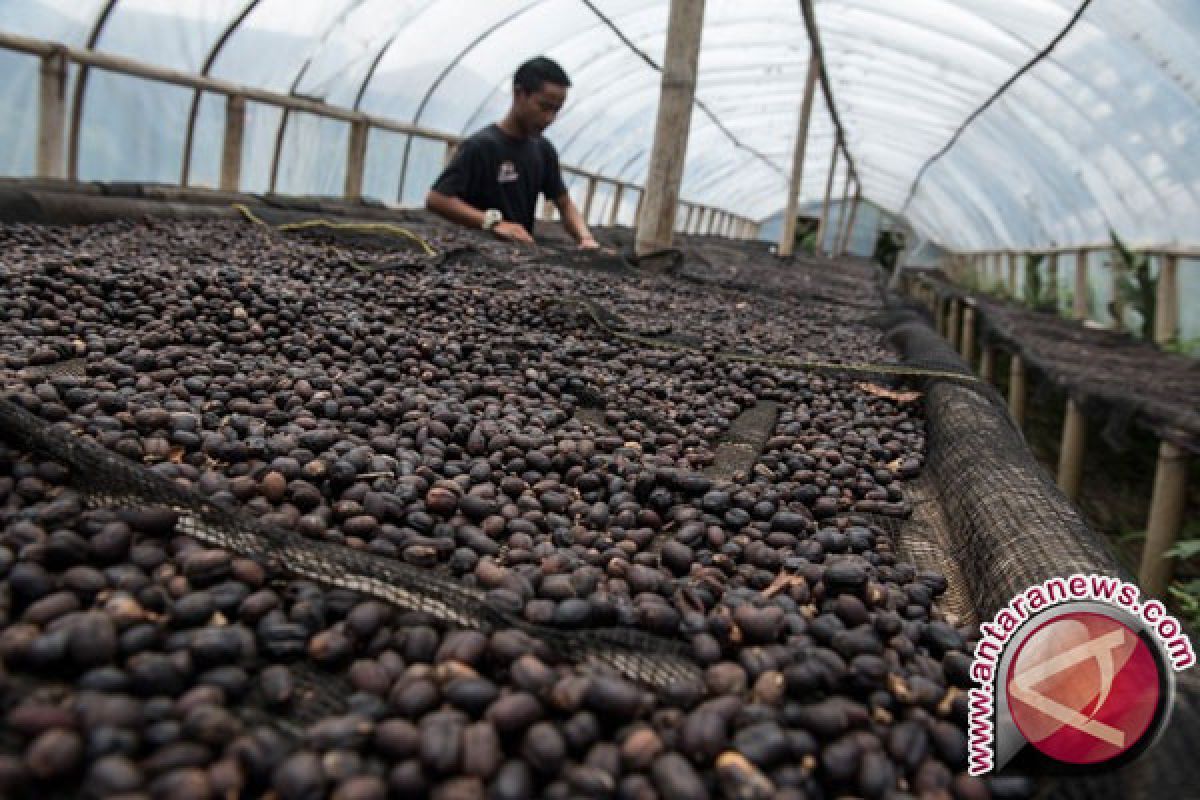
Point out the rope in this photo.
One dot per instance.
(899, 370)
(356, 227)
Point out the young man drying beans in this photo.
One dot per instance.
(493, 181)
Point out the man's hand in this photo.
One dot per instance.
(588, 243)
(512, 232)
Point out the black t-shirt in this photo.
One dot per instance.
(494, 170)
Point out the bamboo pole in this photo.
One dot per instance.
(684, 28)
(787, 237)
(231, 147)
(1016, 389)
(52, 116)
(1165, 520)
(1080, 309)
(1070, 454)
(824, 223)
(1166, 306)
(356, 155)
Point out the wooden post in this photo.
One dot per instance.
(231, 148)
(787, 237)
(588, 198)
(824, 223)
(1070, 454)
(637, 209)
(939, 315)
(845, 243)
(954, 323)
(1080, 308)
(684, 27)
(448, 156)
(1166, 306)
(967, 339)
(356, 156)
(1052, 278)
(1012, 275)
(1016, 389)
(1165, 520)
(52, 116)
(835, 249)
(987, 364)
(618, 194)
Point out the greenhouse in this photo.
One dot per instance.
(599, 399)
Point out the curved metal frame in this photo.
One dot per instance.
(79, 94)
(209, 60)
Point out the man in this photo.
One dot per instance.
(493, 181)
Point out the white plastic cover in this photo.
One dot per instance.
(1096, 136)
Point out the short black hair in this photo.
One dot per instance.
(533, 73)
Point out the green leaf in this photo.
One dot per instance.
(1184, 550)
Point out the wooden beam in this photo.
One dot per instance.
(967, 339)
(1070, 453)
(987, 364)
(618, 195)
(787, 237)
(1016, 389)
(835, 248)
(1079, 302)
(231, 146)
(52, 116)
(824, 223)
(845, 245)
(685, 25)
(1012, 275)
(588, 198)
(356, 156)
(1165, 520)
(1166, 306)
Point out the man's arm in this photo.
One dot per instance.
(458, 210)
(573, 221)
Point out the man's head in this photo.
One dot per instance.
(539, 91)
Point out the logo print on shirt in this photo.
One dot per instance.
(508, 172)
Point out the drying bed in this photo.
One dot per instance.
(453, 414)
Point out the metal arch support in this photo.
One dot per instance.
(1045, 51)
(209, 60)
(378, 58)
(80, 89)
(283, 122)
(621, 46)
(454, 62)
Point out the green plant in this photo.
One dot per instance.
(1033, 293)
(1187, 597)
(1135, 286)
(1183, 347)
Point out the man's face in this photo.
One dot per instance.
(537, 110)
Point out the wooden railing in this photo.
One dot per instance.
(955, 319)
(58, 134)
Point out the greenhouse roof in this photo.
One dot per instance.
(1097, 134)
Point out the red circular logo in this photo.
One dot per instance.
(1083, 688)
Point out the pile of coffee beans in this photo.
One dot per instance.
(455, 418)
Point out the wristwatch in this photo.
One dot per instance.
(491, 218)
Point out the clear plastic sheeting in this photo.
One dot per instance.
(1099, 135)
